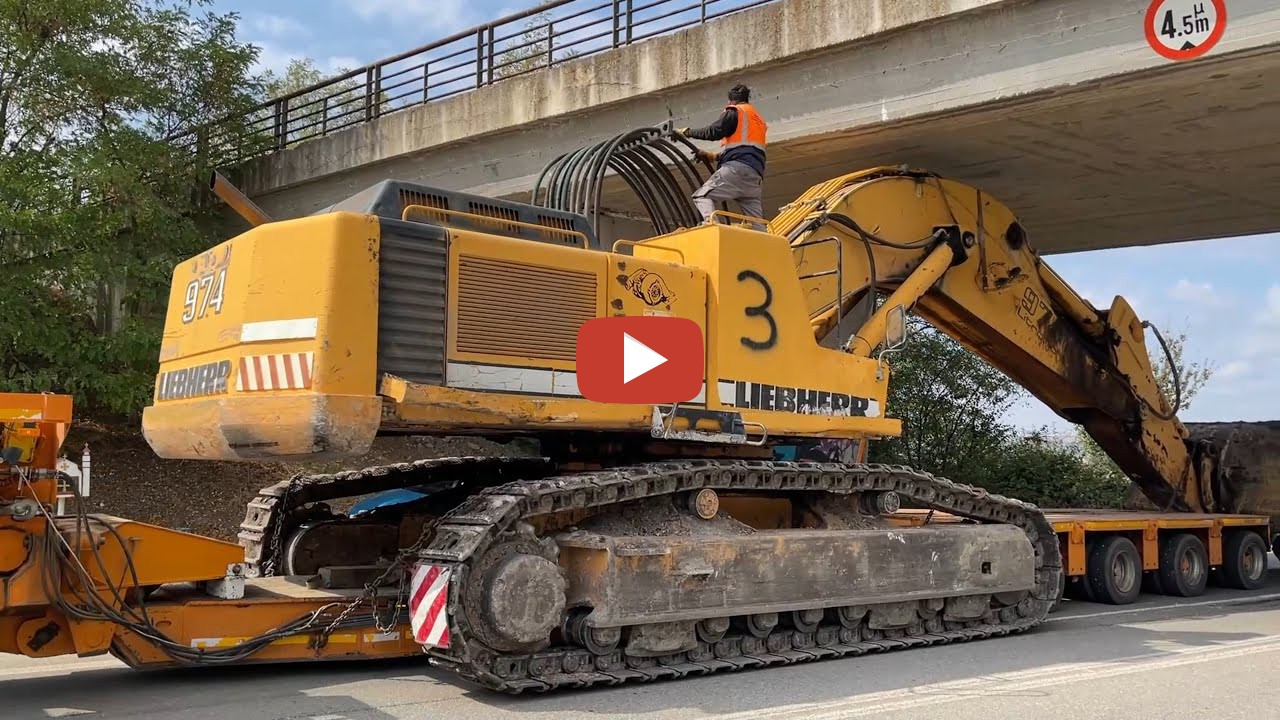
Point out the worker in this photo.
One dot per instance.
(740, 163)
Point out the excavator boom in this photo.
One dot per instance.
(963, 261)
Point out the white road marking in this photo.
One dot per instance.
(66, 667)
(1171, 606)
(1014, 682)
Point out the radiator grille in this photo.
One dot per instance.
(497, 212)
(519, 310)
(411, 301)
(424, 199)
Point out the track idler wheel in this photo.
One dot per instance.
(516, 597)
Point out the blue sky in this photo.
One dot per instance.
(1225, 294)
(352, 33)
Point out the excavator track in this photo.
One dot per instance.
(488, 522)
(268, 514)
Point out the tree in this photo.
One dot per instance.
(100, 200)
(952, 405)
(1053, 473)
(530, 51)
(1192, 376)
(1191, 379)
(311, 114)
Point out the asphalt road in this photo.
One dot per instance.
(1212, 656)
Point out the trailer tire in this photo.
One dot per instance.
(1184, 565)
(1275, 546)
(1244, 561)
(1115, 571)
(1151, 583)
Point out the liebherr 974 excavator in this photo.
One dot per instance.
(641, 542)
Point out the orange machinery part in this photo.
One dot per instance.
(176, 563)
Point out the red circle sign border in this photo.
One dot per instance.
(1219, 5)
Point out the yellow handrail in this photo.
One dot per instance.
(404, 215)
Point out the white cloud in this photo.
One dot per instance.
(440, 15)
(272, 57)
(1190, 292)
(278, 26)
(339, 63)
(1233, 369)
(1270, 316)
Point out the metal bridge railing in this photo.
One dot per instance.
(524, 42)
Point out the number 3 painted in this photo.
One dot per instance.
(761, 310)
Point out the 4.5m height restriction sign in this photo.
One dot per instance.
(1185, 29)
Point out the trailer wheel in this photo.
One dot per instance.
(1115, 571)
(1184, 565)
(1078, 587)
(1244, 561)
(1275, 546)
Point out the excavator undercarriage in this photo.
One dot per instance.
(654, 574)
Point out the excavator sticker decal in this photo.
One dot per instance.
(776, 398)
(207, 379)
(428, 596)
(649, 287)
(281, 371)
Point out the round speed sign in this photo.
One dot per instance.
(1185, 29)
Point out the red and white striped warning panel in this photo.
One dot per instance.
(428, 597)
(281, 371)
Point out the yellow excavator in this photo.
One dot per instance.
(640, 541)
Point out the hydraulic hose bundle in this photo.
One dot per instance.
(649, 160)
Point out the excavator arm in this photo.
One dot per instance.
(962, 261)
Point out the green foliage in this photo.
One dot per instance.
(1191, 378)
(311, 113)
(529, 51)
(99, 204)
(1051, 472)
(953, 404)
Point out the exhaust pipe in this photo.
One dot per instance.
(238, 201)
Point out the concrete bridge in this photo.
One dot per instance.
(1060, 108)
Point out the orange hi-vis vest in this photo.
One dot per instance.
(752, 130)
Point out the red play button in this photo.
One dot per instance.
(640, 360)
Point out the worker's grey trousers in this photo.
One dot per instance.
(732, 181)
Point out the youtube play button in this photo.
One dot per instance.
(640, 360)
(637, 358)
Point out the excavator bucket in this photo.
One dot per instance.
(1248, 465)
(1246, 468)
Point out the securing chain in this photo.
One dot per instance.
(277, 531)
(403, 563)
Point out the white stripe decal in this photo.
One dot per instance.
(726, 393)
(300, 329)
(506, 379)
(534, 381)
(282, 379)
(295, 359)
(284, 371)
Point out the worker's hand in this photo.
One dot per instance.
(682, 132)
(707, 155)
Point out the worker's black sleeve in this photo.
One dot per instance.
(722, 128)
